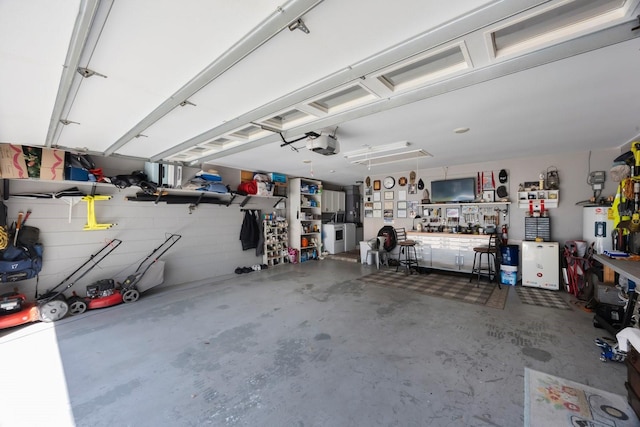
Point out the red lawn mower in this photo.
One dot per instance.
(52, 305)
(108, 292)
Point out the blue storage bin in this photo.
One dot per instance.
(76, 174)
(510, 255)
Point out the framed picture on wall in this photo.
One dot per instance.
(376, 185)
(388, 195)
(388, 205)
(377, 205)
(402, 205)
(402, 213)
(402, 195)
(376, 197)
(377, 213)
(413, 188)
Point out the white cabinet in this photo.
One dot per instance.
(333, 201)
(276, 242)
(540, 265)
(305, 217)
(446, 251)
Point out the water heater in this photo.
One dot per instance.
(597, 225)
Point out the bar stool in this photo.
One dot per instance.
(490, 254)
(408, 249)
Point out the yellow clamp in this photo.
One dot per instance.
(92, 224)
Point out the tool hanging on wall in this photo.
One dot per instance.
(92, 224)
(18, 225)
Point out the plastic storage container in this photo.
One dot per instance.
(509, 275)
(510, 255)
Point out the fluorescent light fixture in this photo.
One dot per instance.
(384, 158)
(371, 151)
(383, 154)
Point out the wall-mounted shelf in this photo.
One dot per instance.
(449, 215)
(538, 198)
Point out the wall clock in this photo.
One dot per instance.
(389, 182)
(376, 184)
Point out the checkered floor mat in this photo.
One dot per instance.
(456, 287)
(541, 297)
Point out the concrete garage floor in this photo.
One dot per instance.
(297, 345)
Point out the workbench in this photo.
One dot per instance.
(630, 270)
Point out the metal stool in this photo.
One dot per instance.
(490, 254)
(408, 248)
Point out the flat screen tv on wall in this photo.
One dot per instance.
(456, 190)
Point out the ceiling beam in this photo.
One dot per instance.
(70, 79)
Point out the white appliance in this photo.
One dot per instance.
(333, 238)
(597, 224)
(350, 241)
(541, 265)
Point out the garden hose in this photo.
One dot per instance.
(4, 238)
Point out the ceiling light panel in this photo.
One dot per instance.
(343, 99)
(288, 119)
(249, 132)
(556, 23)
(425, 68)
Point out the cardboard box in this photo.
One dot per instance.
(12, 163)
(52, 164)
(20, 161)
(33, 159)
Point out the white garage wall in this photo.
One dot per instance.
(566, 220)
(210, 245)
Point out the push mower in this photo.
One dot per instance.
(52, 305)
(108, 292)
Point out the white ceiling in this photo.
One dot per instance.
(237, 63)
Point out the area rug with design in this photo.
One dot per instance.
(541, 297)
(450, 286)
(555, 401)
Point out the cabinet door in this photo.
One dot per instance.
(327, 201)
(424, 255)
(341, 201)
(446, 259)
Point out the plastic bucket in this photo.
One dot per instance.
(510, 255)
(508, 275)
